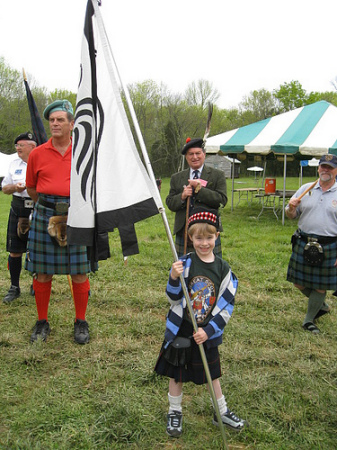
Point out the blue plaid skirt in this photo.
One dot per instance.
(315, 277)
(45, 257)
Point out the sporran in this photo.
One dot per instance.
(313, 253)
(179, 352)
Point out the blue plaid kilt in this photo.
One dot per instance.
(179, 244)
(45, 257)
(315, 277)
(14, 244)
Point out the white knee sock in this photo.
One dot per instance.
(175, 403)
(222, 405)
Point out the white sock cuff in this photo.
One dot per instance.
(175, 402)
(222, 405)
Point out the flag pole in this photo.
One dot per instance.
(170, 238)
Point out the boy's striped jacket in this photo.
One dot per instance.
(220, 314)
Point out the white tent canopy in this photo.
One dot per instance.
(5, 161)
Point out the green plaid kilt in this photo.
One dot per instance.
(315, 277)
(45, 257)
(14, 244)
(179, 244)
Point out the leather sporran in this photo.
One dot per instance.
(313, 253)
(23, 228)
(57, 229)
(179, 352)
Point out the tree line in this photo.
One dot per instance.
(165, 118)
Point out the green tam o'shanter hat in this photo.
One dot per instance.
(58, 105)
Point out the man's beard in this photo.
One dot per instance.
(325, 177)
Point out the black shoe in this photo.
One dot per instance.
(12, 294)
(321, 312)
(41, 330)
(81, 331)
(311, 327)
(174, 426)
(231, 420)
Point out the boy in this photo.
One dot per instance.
(212, 287)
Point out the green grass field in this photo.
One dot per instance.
(105, 395)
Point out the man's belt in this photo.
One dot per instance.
(320, 239)
(59, 207)
(23, 202)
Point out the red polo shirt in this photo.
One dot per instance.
(48, 171)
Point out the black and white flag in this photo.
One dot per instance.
(110, 187)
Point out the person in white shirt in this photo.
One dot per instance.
(22, 205)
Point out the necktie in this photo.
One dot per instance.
(195, 177)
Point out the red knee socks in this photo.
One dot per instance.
(42, 297)
(81, 296)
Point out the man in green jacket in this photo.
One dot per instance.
(199, 185)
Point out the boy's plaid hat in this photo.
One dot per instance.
(204, 215)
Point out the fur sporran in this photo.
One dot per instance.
(179, 352)
(23, 228)
(57, 229)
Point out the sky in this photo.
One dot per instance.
(237, 45)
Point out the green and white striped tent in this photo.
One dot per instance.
(310, 131)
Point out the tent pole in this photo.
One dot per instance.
(284, 187)
(233, 172)
(264, 171)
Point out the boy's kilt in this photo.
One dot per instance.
(45, 257)
(314, 277)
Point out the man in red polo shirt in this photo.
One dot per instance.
(48, 184)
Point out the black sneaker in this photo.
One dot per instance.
(81, 331)
(231, 420)
(12, 294)
(41, 330)
(174, 424)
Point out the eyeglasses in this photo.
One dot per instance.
(21, 145)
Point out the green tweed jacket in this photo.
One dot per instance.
(212, 196)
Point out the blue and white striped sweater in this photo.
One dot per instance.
(221, 313)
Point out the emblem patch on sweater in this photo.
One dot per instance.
(202, 294)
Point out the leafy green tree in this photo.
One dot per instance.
(290, 96)
(330, 97)
(261, 104)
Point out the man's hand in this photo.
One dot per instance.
(187, 192)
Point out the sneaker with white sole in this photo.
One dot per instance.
(231, 420)
(174, 424)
